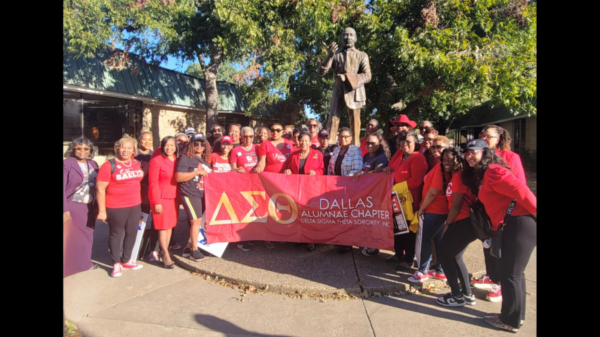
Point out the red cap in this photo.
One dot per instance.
(226, 139)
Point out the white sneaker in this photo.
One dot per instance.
(418, 277)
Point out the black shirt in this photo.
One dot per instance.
(338, 162)
(327, 152)
(194, 187)
(144, 159)
(302, 162)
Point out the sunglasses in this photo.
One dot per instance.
(372, 144)
(276, 130)
(248, 136)
(438, 147)
(79, 148)
(217, 130)
(314, 125)
(200, 143)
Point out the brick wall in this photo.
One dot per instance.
(164, 122)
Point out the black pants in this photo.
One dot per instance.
(491, 266)
(123, 224)
(454, 243)
(518, 241)
(406, 243)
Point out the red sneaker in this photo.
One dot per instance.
(495, 295)
(132, 266)
(434, 274)
(116, 272)
(483, 282)
(418, 277)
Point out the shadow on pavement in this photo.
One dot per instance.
(216, 324)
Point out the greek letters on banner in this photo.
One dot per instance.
(300, 208)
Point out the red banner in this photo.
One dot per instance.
(300, 208)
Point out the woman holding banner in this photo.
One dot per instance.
(273, 154)
(162, 195)
(192, 166)
(374, 161)
(434, 209)
(307, 161)
(410, 166)
(345, 161)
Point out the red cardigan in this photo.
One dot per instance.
(161, 179)
(499, 187)
(314, 161)
(412, 171)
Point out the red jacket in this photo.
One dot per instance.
(514, 161)
(314, 161)
(161, 179)
(499, 187)
(412, 171)
(363, 145)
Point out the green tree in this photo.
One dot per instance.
(227, 71)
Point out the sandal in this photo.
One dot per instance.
(497, 323)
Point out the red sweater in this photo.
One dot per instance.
(161, 179)
(412, 171)
(514, 161)
(314, 161)
(499, 187)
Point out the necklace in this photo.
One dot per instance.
(124, 163)
(304, 154)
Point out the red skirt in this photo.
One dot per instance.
(168, 218)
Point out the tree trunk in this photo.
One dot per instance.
(210, 87)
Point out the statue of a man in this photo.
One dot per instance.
(351, 71)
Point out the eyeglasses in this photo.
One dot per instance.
(372, 144)
(79, 148)
(483, 135)
(314, 125)
(248, 136)
(438, 147)
(276, 130)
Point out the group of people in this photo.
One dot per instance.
(443, 181)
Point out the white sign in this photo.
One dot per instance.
(418, 241)
(215, 249)
(140, 233)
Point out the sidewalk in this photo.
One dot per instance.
(154, 301)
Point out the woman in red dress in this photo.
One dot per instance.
(163, 196)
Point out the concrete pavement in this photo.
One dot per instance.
(154, 301)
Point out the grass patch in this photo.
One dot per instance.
(71, 330)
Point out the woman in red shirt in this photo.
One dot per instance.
(458, 232)
(410, 166)
(262, 134)
(496, 185)
(219, 162)
(273, 154)
(498, 139)
(163, 196)
(244, 158)
(307, 161)
(434, 209)
(119, 200)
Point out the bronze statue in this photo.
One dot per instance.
(351, 71)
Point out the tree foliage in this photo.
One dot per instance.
(439, 58)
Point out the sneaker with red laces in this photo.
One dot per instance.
(483, 282)
(418, 277)
(132, 266)
(434, 274)
(116, 272)
(495, 295)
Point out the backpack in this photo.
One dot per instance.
(113, 165)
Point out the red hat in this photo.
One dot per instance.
(226, 139)
(403, 119)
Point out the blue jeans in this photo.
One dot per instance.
(433, 227)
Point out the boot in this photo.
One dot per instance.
(333, 125)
